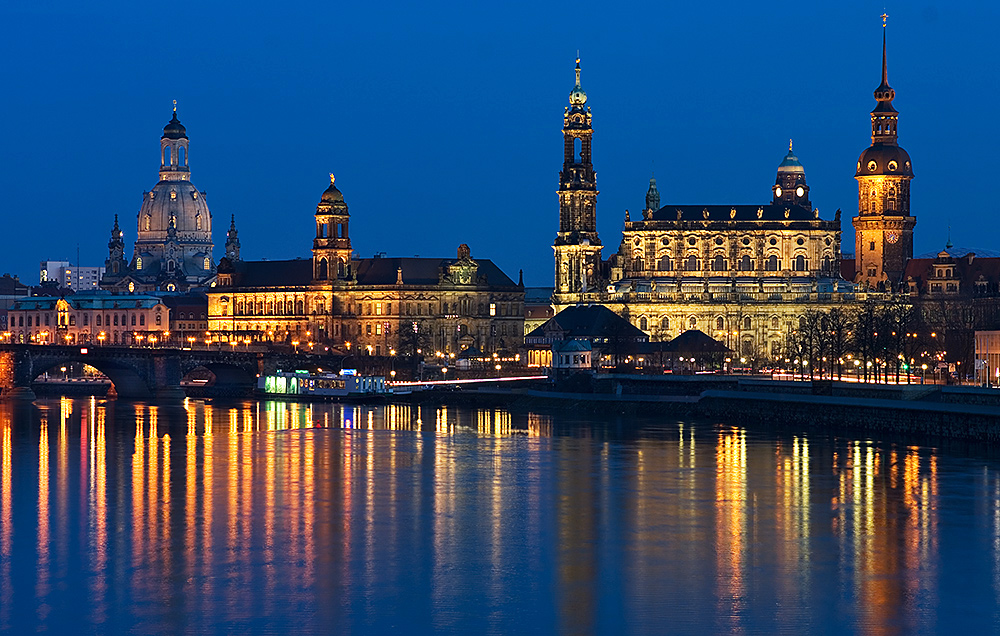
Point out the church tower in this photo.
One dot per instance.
(884, 227)
(116, 265)
(232, 241)
(790, 185)
(577, 246)
(332, 245)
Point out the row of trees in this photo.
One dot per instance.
(881, 339)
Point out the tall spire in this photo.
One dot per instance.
(577, 96)
(232, 241)
(885, 67)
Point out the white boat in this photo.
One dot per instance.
(344, 385)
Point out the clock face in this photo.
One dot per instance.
(892, 237)
(800, 191)
(777, 192)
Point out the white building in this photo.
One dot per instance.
(77, 278)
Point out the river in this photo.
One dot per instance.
(279, 517)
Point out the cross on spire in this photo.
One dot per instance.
(884, 17)
(175, 105)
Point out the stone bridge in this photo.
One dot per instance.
(137, 373)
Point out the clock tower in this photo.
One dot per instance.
(577, 246)
(884, 227)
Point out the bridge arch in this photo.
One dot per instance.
(126, 379)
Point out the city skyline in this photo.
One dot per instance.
(477, 136)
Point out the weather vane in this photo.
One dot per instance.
(884, 17)
(175, 105)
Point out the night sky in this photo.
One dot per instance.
(442, 121)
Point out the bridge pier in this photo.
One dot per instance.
(18, 393)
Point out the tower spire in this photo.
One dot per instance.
(885, 67)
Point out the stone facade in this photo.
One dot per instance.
(377, 306)
(173, 247)
(88, 317)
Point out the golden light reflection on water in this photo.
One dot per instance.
(6, 523)
(265, 491)
(731, 520)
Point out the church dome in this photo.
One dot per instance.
(180, 202)
(884, 159)
(174, 129)
(577, 96)
(332, 194)
(791, 163)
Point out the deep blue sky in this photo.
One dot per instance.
(442, 121)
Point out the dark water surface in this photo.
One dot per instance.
(274, 517)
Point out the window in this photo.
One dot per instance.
(800, 263)
(720, 323)
(745, 264)
(871, 246)
(664, 323)
(493, 309)
(775, 323)
(692, 322)
(133, 320)
(692, 264)
(643, 323)
(719, 264)
(138, 259)
(86, 320)
(159, 319)
(207, 263)
(772, 263)
(368, 329)
(116, 320)
(142, 320)
(378, 329)
(378, 309)
(665, 264)
(98, 320)
(747, 324)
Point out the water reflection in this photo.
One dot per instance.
(259, 516)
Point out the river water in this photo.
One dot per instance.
(268, 516)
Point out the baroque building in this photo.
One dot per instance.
(744, 274)
(173, 247)
(377, 305)
(884, 225)
(577, 246)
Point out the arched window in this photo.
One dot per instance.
(775, 323)
(692, 264)
(323, 270)
(692, 322)
(800, 263)
(197, 221)
(181, 156)
(147, 222)
(746, 323)
(98, 323)
(745, 264)
(772, 263)
(167, 156)
(802, 322)
(643, 323)
(142, 320)
(133, 319)
(664, 323)
(577, 149)
(719, 264)
(207, 263)
(138, 262)
(170, 266)
(827, 264)
(665, 265)
(720, 323)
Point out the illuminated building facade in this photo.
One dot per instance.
(577, 246)
(884, 225)
(744, 274)
(173, 248)
(87, 317)
(371, 305)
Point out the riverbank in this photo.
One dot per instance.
(960, 413)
